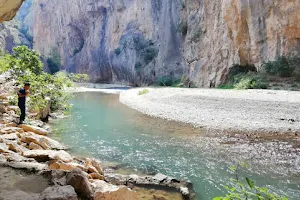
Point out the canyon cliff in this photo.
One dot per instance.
(139, 42)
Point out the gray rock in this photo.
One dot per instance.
(59, 193)
(78, 179)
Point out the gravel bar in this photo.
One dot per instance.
(240, 110)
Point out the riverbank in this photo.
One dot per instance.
(250, 111)
(28, 151)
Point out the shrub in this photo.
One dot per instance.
(226, 86)
(283, 66)
(183, 27)
(240, 69)
(27, 67)
(21, 60)
(145, 91)
(79, 78)
(250, 81)
(164, 81)
(243, 190)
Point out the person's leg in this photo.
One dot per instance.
(23, 113)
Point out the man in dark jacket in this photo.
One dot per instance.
(22, 101)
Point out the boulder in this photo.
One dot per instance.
(116, 179)
(43, 141)
(2, 109)
(8, 130)
(93, 166)
(59, 165)
(12, 108)
(12, 124)
(31, 166)
(15, 147)
(33, 129)
(33, 146)
(46, 155)
(59, 193)
(44, 114)
(3, 96)
(12, 136)
(58, 177)
(96, 176)
(3, 148)
(78, 179)
(2, 159)
(106, 191)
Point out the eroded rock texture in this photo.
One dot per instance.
(142, 41)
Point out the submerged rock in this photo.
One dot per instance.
(59, 193)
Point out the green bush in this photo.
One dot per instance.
(226, 87)
(145, 91)
(78, 78)
(22, 60)
(27, 67)
(245, 189)
(250, 81)
(283, 66)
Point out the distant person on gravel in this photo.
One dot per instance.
(22, 101)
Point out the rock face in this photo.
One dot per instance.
(143, 41)
(8, 9)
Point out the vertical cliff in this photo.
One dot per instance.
(115, 40)
(222, 33)
(142, 41)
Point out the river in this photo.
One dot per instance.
(100, 126)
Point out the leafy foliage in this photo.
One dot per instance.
(246, 189)
(145, 91)
(250, 80)
(23, 59)
(283, 66)
(245, 77)
(26, 66)
(78, 78)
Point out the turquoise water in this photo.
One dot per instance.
(101, 127)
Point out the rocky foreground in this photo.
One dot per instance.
(28, 148)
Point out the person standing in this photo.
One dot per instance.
(22, 94)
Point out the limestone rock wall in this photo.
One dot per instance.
(141, 41)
